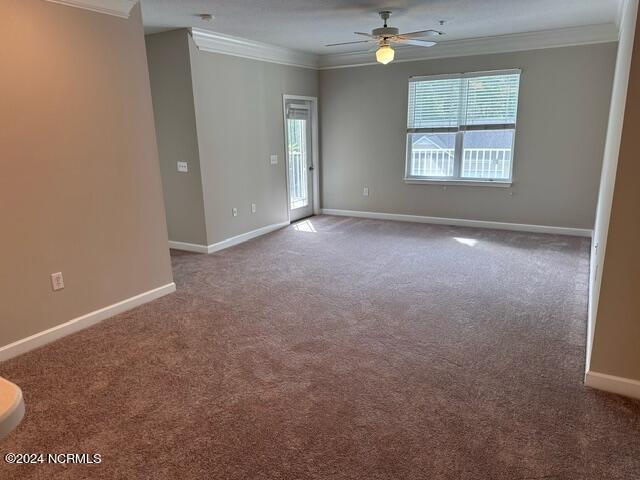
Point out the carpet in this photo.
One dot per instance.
(339, 348)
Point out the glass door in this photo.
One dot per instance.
(299, 158)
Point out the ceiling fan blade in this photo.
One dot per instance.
(348, 43)
(421, 33)
(420, 43)
(365, 34)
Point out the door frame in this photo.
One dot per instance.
(315, 150)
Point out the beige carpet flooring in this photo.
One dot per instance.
(339, 348)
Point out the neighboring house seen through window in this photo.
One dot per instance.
(462, 127)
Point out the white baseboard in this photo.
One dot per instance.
(459, 222)
(188, 247)
(229, 242)
(47, 336)
(613, 384)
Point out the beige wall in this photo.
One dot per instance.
(616, 347)
(564, 102)
(240, 124)
(80, 188)
(175, 118)
(610, 163)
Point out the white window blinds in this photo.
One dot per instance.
(434, 103)
(463, 102)
(462, 127)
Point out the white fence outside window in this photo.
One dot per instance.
(486, 163)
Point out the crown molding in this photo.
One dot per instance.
(209, 41)
(118, 8)
(517, 42)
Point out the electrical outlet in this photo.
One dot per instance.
(183, 167)
(253, 208)
(365, 192)
(234, 212)
(57, 282)
(274, 159)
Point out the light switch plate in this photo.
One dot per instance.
(57, 282)
(234, 212)
(183, 167)
(253, 208)
(274, 159)
(365, 191)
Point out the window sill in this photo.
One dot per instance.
(460, 183)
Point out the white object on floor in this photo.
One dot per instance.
(11, 407)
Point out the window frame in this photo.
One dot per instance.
(460, 131)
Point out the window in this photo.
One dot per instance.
(462, 127)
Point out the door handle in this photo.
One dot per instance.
(312, 168)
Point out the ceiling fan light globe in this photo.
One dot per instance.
(385, 54)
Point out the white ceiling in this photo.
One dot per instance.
(308, 25)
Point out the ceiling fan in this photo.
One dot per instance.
(385, 36)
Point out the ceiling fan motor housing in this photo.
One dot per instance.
(385, 32)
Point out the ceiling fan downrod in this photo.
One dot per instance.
(385, 14)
